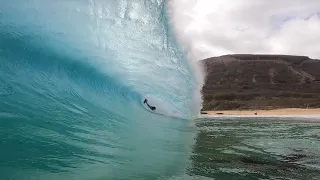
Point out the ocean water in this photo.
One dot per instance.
(73, 75)
(251, 148)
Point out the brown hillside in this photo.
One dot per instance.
(245, 81)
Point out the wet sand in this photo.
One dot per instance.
(274, 112)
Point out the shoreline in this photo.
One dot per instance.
(273, 112)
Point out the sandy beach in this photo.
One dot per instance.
(274, 112)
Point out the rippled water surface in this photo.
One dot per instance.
(257, 148)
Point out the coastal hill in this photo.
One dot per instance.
(246, 81)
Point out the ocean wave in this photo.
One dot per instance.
(129, 42)
(73, 75)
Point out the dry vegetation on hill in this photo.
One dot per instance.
(244, 81)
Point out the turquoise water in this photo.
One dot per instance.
(72, 78)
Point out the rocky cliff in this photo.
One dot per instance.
(246, 81)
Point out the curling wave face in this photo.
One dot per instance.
(73, 75)
(127, 41)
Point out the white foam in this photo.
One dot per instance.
(178, 22)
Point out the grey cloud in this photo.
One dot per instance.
(247, 26)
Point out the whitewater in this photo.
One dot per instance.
(73, 75)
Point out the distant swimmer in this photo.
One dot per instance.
(151, 107)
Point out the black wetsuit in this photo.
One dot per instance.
(151, 107)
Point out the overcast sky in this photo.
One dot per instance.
(217, 27)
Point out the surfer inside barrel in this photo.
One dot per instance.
(151, 107)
